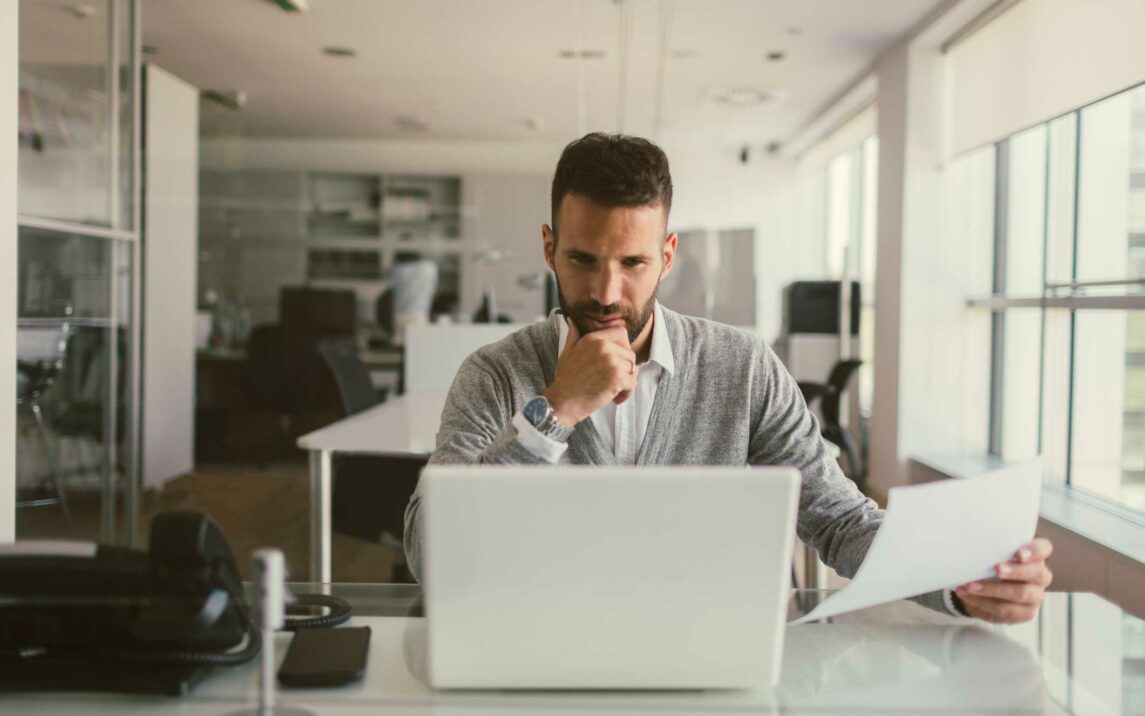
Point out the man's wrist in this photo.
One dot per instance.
(560, 410)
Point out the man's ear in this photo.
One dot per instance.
(669, 255)
(550, 245)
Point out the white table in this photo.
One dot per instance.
(897, 658)
(401, 426)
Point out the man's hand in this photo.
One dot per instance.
(591, 371)
(1017, 592)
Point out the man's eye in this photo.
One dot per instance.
(631, 263)
(582, 259)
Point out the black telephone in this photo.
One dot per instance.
(99, 617)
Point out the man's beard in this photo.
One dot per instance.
(634, 321)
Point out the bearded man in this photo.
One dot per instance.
(616, 378)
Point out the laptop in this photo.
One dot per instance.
(590, 577)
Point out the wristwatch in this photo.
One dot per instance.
(541, 416)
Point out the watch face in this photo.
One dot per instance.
(536, 410)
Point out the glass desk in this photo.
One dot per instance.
(1082, 655)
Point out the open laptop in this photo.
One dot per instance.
(578, 577)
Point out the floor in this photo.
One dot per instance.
(255, 507)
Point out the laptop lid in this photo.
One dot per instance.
(606, 577)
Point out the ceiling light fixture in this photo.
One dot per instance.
(293, 5)
(582, 54)
(747, 96)
(410, 124)
(234, 100)
(339, 52)
(81, 11)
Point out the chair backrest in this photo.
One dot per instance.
(351, 375)
(837, 385)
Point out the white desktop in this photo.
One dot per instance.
(606, 577)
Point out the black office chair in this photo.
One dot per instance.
(355, 388)
(370, 492)
(829, 394)
(34, 378)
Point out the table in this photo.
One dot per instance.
(1082, 655)
(401, 426)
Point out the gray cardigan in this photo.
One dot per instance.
(729, 402)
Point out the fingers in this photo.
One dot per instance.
(998, 611)
(1017, 592)
(1038, 550)
(1035, 572)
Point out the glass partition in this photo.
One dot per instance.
(76, 335)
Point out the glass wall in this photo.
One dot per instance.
(1068, 361)
(78, 240)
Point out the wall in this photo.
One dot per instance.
(712, 188)
(170, 218)
(9, 67)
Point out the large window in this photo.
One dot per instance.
(1068, 299)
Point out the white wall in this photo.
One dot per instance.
(9, 67)
(712, 188)
(924, 274)
(170, 256)
(1041, 59)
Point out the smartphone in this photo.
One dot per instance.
(325, 657)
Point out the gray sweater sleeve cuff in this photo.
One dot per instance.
(940, 601)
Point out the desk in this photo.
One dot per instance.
(897, 658)
(405, 425)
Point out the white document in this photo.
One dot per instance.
(943, 534)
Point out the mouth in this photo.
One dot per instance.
(606, 322)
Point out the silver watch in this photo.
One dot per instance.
(541, 416)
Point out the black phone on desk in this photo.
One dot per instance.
(87, 616)
(325, 657)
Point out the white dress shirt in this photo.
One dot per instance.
(621, 426)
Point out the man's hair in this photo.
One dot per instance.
(613, 170)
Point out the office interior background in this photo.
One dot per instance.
(202, 191)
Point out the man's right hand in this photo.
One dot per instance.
(591, 371)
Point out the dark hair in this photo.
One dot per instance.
(613, 170)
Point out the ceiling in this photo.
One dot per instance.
(492, 69)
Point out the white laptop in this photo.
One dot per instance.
(606, 577)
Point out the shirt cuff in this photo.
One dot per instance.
(535, 442)
(948, 600)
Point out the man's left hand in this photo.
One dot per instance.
(1017, 592)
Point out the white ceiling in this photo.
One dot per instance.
(483, 69)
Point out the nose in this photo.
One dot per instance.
(606, 289)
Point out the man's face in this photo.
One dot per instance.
(609, 261)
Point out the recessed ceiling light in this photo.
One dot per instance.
(775, 56)
(339, 51)
(583, 54)
(747, 96)
(292, 5)
(410, 124)
(81, 10)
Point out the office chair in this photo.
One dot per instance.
(370, 492)
(355, 388)
(829, 394)
(35, 378)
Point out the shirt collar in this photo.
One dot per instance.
(660, 351)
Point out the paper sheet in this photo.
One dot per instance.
(943, 534)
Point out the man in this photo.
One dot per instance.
(617, 378)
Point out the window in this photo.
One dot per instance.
(1068, 299)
